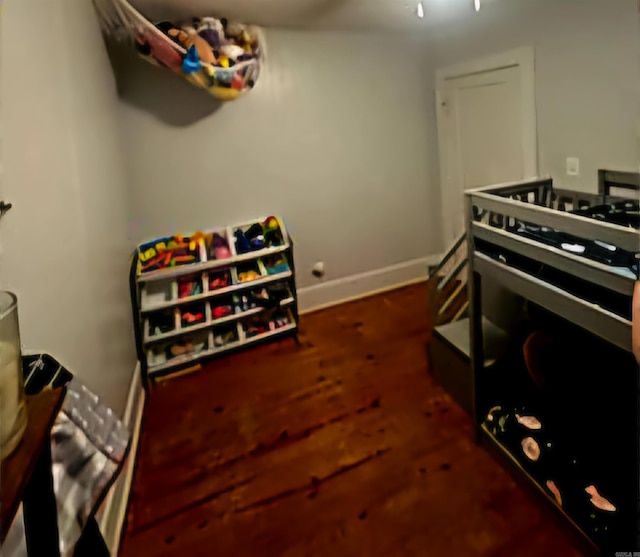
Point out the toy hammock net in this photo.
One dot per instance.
(221, 57)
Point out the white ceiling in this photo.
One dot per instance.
(332, 14)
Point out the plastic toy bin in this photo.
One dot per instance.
(170, 251)
(157, 292)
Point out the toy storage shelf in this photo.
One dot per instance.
(209, 293)
(214, 293)
(536, 241)
(150, 339)
(174, 272)
(181, 360)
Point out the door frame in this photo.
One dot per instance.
(522, 57)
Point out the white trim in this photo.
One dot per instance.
(523, 57)
(354, 287)
(113, 513)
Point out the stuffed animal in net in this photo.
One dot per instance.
(220, 57)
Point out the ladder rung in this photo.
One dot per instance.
(451, 298)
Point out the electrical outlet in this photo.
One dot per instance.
(318, 269)
(573, 166)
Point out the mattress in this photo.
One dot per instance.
(624, 213)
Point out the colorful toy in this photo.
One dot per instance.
(277, 323)
(270, 224)
(191, 63)
(217, 53)
(242, 242)
(190, 40)
(183, 347)
(167, 44)
(237, 82)
(268, 320)
(221, 311)
(157, 50)
(192, 318)
(255, 328)
(220, 247)
(151, 255)
(242, 35)
(272, 233)
(211, 30)
(219, 280)
(258, 236)
(255, 235)
(187, 288)
(232, 51)
(224, 338)
(276, 265)
(248, 276)
(169, 252)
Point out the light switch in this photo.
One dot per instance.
(573, 166)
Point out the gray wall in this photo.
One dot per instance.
(586, 76)
(338, 137)
(65, 241)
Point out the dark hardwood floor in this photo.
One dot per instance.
(342, 446)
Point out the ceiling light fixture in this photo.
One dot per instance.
(420, 10)
(476, 3)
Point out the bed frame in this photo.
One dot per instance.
(491, 215)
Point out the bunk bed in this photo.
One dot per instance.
(571, 258)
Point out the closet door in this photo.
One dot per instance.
(486, 128)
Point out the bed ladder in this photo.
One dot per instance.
(448, 303)
(449, 344)
(447, 286)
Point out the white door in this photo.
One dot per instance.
(484, 132)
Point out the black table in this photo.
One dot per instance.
(25, 476)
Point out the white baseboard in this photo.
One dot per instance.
(114, 509)
(320, 296)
